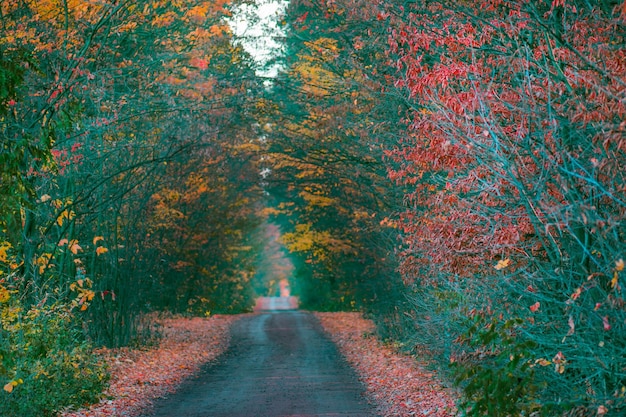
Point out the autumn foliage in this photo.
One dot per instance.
(114, 121)
(504, 133)
(514, 153)
(454, 168)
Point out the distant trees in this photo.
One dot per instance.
(328, 183)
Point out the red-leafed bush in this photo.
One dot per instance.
(514, 154)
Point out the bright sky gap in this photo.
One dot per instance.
(257, 28)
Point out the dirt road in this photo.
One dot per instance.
(279, 364)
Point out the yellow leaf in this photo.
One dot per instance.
(503, 263)
(4, 247)
(97, 239)
(619, 265)
(60, 218)
(4, 294)
(43, 262)
(101, 249)
(65, 214)
(9, 387)
(45, 198)
(614, 280)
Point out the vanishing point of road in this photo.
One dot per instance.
(279, 364)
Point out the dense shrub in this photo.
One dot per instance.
(514, 159)
(46, 364)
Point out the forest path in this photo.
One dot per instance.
(279, 364)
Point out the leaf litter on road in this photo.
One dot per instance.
(140, 376)
(397, 383)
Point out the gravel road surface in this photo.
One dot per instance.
(279, 364)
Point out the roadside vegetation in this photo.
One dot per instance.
(124, 133)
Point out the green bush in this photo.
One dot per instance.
(46, 365)
(498, 376)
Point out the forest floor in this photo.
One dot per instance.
(397, 384)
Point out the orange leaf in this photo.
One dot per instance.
(74, 246)
(503, 263)
(101, 249)
(199, 63)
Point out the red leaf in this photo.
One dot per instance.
(302, 18)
